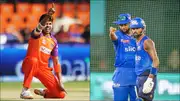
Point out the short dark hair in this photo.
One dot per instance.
(42, 17)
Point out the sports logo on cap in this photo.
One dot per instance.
(134, 22)
(120, 18)
(123, 19)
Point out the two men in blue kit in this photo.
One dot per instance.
(136, 60)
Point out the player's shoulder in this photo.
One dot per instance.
(53, 38)
(149, 42)
(119, 33)
(147, 38)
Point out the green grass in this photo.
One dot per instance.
(77, 91)
(68, 85)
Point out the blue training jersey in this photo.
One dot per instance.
(125, 50)
(143, 59)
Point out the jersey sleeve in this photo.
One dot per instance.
(34, 36)
(54, 52)
(116, 42)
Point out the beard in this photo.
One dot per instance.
(125, 31)
(135, 35)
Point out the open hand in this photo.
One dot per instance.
(62, 87)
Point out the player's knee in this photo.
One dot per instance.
(34, 60)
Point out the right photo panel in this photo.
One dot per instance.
(135, 50)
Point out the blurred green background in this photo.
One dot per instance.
(162, 18)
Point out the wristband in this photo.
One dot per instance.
(154, 71)
(37, 30)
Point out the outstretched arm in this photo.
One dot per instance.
(42, 23)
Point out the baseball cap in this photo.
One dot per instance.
(137, 23)
(123, 19)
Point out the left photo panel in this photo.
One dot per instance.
(45, 50)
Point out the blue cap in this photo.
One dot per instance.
(137, 23)
(123, 19)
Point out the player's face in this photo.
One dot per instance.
(48, 27)
(124, 27)
(137, 32)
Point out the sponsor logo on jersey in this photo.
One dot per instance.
(124, 41)
(137, 58)
(44, 41)
(45, 50)
(130, 49)
(139, 48)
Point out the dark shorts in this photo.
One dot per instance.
(140, 82)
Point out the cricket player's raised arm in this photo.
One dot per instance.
(42, 23)
(149, 46)
(112, 34)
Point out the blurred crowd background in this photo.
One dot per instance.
(19, 17)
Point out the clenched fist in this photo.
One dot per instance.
(112, 30)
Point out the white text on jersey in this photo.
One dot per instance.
(45, 50)
(130, 49)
